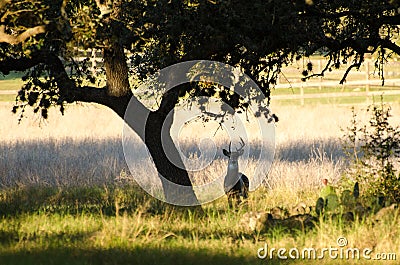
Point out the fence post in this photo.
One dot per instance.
(302, 95)
(367, 80)
(320, 78)
(93, 60)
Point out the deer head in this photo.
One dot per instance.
(234, 155)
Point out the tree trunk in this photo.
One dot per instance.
(116, 71)
(174, 177)
(114, 56)
(154, 129)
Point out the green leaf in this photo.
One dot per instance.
(326, 191)
(331, 202)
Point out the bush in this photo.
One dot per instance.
(373, 150)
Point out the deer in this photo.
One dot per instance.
(236, 184)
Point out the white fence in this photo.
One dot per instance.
(359, 82)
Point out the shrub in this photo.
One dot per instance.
(373, 151)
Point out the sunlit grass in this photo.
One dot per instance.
(7, 98)
(13, 84)
(173, 235)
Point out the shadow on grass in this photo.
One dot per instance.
(13, 238)
(304, 150)
(97, 200)
(76, 200)
(63, 162)
(136, 255)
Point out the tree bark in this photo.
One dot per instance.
(153, 127)
(114, 56)
(166, 157)
(116, 70)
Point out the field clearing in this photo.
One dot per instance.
(61, 141)
(66, 196)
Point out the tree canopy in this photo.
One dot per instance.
(44, 39)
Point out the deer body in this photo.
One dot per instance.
(236, 184)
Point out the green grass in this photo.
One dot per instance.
(13, 84)
(7, 98)
(47, 226)
(123, 225)
(11, 75)
(136, 254)
(10, 82)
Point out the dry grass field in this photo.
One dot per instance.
(76, 161)
(84, 145)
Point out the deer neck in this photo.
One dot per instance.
(233, 168)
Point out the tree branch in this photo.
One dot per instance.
(100, 96)
(390, 20)
(66, 85)
(322, 73)
(20, 64)
(388, 44)
(11, 39)
(354, 65)
(71, 92)
(170, 99)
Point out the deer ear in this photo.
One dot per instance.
(226, 153)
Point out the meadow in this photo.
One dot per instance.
(67, 196)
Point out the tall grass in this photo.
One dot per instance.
(84, 146)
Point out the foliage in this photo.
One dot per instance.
(373, 150)
(327, 190)
(259, 38)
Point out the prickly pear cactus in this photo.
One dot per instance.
(356, 190)
(327, 190)
(331, 200)
(347, 199)
(319, 208)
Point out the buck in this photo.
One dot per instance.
(236, 184)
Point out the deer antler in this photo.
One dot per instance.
(242, 144)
